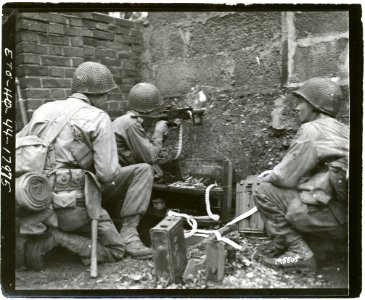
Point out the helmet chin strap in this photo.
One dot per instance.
(94, 100)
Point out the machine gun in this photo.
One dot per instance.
(171, 114)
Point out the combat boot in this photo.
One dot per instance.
(81, 246)
(297, 257)
(134, 247)
(36, 248)
(274, 248)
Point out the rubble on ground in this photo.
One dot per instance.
(64, 271)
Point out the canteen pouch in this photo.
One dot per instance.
(69, 199)
(70, 209)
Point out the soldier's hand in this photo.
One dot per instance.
(161, 127)
(264, 174)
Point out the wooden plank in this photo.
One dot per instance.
(166, 188)
(244, 202)
(227, 188)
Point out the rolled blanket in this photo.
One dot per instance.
(32, 191)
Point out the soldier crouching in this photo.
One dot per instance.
(307, 191)
(82, 162)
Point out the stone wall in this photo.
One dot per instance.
(246, 63)
(49, 46)
(224, 50)
(318, 45)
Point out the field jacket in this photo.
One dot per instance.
(317, 145)
(133, 144)
(96, 127)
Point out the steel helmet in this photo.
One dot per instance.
(92, 78)
(144, 97)
(323, 93)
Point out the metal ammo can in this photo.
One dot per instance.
(168, 243)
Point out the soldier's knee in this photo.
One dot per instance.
(145, 169)
(264, 187)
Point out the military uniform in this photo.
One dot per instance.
(73, 217)
(137, 153)
(307, 191)
(298, 194)
(133, 144)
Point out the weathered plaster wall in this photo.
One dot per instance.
(317, 45)
(246, 63)
(226, 50)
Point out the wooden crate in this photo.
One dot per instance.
(244, 202)
(213, 170)
(219, 171)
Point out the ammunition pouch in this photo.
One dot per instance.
(68, 180)
(69, 199)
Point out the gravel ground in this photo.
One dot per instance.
(64, 272)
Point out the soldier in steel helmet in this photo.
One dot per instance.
(85, 160)
(136, 149)
(135, 143)
(306, 193)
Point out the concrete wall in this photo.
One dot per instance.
(318, 45)
(246, 63)
(226, 50)
(250, 51)
(49, 46)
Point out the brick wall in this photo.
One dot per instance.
(49, 46)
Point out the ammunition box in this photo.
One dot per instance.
(211, 170)
(168, 244)
(172, 171)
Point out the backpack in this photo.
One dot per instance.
(32, 190)
(31, 152)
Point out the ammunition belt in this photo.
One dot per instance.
(68, 180)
